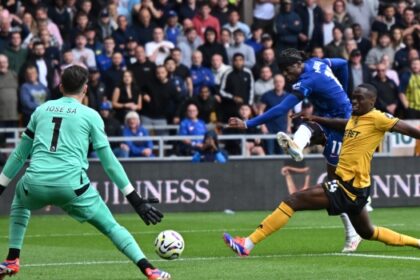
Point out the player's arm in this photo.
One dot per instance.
(406, 129)
(116, 173)
(277, 111)
(16, 160)
(336, 123)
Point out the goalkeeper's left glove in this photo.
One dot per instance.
(147, 212)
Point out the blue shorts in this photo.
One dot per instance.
(334, 141)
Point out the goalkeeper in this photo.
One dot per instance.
(57, 138)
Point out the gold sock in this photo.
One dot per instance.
(393, 238)
(272, 223)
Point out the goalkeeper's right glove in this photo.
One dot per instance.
(147, 212)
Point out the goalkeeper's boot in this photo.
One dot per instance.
(237, 244)
(289, 146)
(156, 274)
(9, 267)
(351, 244)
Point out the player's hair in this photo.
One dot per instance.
(371, 90)
(291, 56)
(73, 79)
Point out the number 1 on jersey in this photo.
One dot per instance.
(57, 124)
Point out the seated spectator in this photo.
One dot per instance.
(410, 90)
(387, 99)
(253, 146)
(211, 47)
(210, 151)
(82, 54)
(191, 125)
(268, 58)
(32, 93)
(201, 76)
(126, 97)
(113, 129)
(263, 84)
(158, 49)
(240, 47)
(234, 24)
(359, 73)
(206, 104)
(189, 45)
(133, 128)
(317, 52)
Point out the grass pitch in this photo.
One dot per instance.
(59, 248)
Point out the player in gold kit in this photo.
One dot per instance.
(349, 192)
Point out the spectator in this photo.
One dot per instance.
(359, 73)
(410, 90)
(336, 47)
(288, 26)
(387, 99)
(218, 68)
(384, 47)
(383, 23)
(82, 54)
(340, 14)
(211, 47)
(268, 58)
(201, 76)
(52, 53)
(96, 92)
(122, 33)
(59, 14)
(189, 45)
(130, 52)
(127, 8)
(32, 93)
(255, 40)
(145, 26)
(252, 146)
(237, 87)
(268, 101)
(106, 25)
(363, 44)
(41, 14)
(312, 17)
(226, 38)
(181, 92)
(264, 83)
(234, 24)
(240, 47)
(82, 23)
(133, 128)
(158, 49)
(409, 23)
(222, 10)
(361, 12)
(401, 59)
(92, 41)
(172, 28)
(188, 9)
(318, 52)
(264, 14)
(206, 104)
(143, 70)
(8, 95)
(324, 33)
(126, 97)
(204, 19)
(210, 151)
(397, 39)
(113, 129)
(45, 70)
(390, 73)
(16, 55)
(182, 70)
(157, 97)
(191, 125)
(113, 76)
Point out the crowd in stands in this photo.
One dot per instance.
(192, 63)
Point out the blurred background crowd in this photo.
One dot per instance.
(193, 63)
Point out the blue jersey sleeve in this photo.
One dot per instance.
(280, 109)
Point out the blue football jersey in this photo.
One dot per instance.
(319, 84)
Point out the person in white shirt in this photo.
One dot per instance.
(218, 68)
(82, 54)
(158, 49)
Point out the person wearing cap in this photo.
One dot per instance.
(105, 24)
(239, 46)
(234, 23)
(359, 73)
(96, 89)
(173, 28)
(287, 26)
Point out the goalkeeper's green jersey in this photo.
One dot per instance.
(62, 130)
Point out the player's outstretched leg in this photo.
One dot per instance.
(289, 146)
(352, 238)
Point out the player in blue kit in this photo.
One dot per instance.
(321, 82)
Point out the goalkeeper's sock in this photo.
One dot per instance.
(393, 238)
(144, 264)
(13, 254)
(272, 223)
(125, 242)
(19, 219)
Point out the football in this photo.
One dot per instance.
(169, 245)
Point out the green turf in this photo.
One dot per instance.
(59, 248)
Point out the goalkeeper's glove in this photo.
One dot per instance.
(2, 188)
(147, 212)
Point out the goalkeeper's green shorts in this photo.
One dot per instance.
(82, 204)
